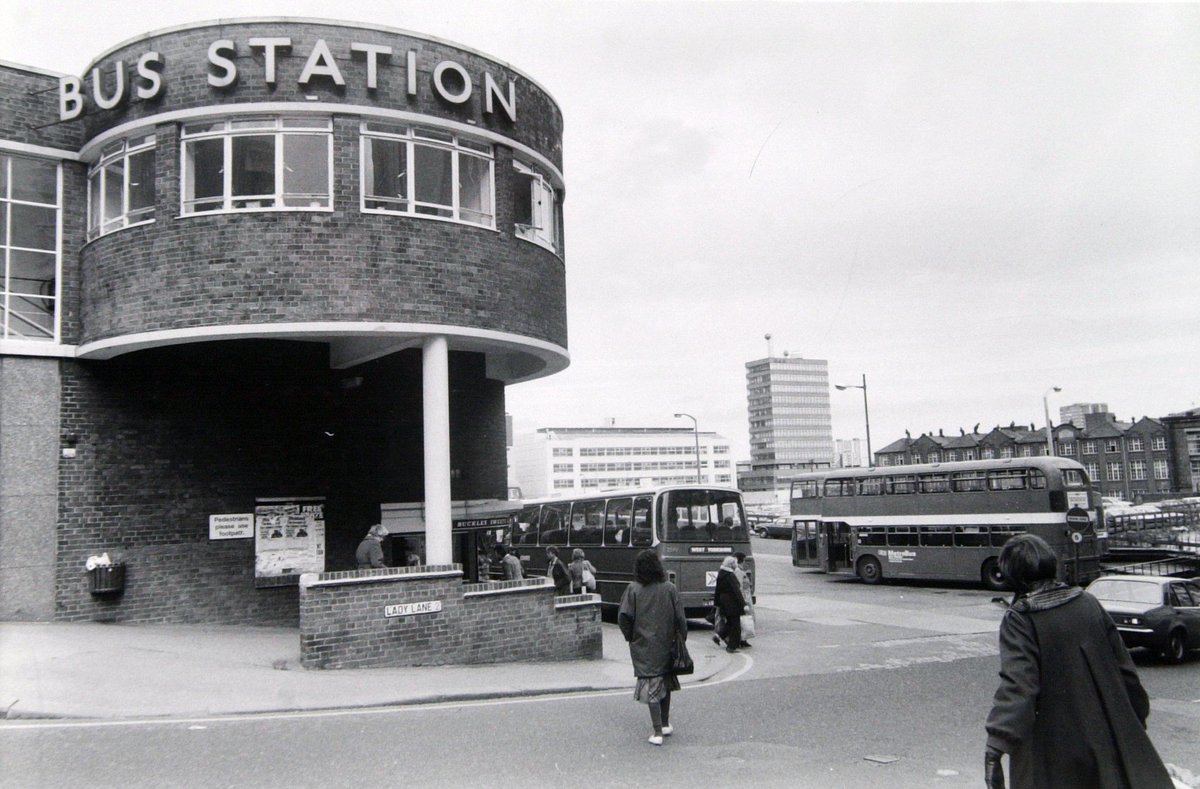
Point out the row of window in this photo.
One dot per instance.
(1158, 443)
(1137, 470)
(29, 232)
(281, 163)
(936, 536)
(620, 451)
(939, 482)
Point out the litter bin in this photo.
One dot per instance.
(108, 579)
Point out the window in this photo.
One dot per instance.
(968, 481)
(553, 527)
(1007, 479)
(937, 535)
(971, 536)
(1136, 444)
(539, 219)
(642, 534)
(564, 452)
(1073, 478)
(1089, 448)
(1002, 534)
(951, 456)
(1093, 471)
(839, 487)
(1158, 443)
(1114, 471)
(932, 457)
(902, 535)
(1137, 470)
(987, 453)
(902, 483)
(252, 164)
(1066, 448)
(871, 535)
(1160, 469)
(29, 219)
(562, 484)
(587, 522)
(427, 172)
(1112, 445)
(121, 186)
(968, 454)
(871, 486)
(617, 521)
(934, 483)
(1006, 452)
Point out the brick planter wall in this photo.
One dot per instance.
(344, 621)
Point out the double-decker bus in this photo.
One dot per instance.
(945, 521)
(692, 527)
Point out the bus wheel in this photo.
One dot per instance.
(868, 570)
(1176, 647)
(992, 577)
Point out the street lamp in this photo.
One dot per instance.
(1046, 408)
(696, 430)
(866, 413)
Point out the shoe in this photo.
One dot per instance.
(745, 645)
(655, 739)
(668, 730)
(731, 649)
(717, 640)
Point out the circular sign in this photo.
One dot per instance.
(1077, 518)
(1076, 537)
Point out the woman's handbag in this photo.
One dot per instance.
(681, 661)
(747, 626)
(589, 580)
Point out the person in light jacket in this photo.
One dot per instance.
(650, 617)
(1070, 711)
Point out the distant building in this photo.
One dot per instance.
(848, 453)
(1124, 459)
(576, 460)
(790, 422)
(1183, 446)
(1075, 412)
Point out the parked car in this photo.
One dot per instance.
(777, 528)
(1155, 612)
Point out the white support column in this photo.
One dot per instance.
(435, 388)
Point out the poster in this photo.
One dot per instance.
(289, 537)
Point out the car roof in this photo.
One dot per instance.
(1143, 579)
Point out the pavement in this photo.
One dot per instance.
(98, 670)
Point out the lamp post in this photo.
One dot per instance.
(1046, 408)
(866, 413)
(696, 430)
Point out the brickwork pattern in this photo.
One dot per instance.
(343, 622)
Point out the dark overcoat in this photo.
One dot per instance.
(1070, 710)
(649, 618)
(728, 596)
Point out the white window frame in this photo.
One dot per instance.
(1137, 470)
(1136, 444)
(7, 248)
(414, 137)
(1161, 470)
(120, 152)
(545, 209)
(1112, 471)
(279, 128)
(1158, 443)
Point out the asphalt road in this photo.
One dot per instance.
(846, 686)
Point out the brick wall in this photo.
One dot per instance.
(344, 622)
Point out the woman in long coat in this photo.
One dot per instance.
(1070, 711)
(732, 604)
(650, 616)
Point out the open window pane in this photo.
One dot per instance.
(114, 195)
(475, 190)
(386, 163)
(254, 168)
(433, 184)
(141, 185)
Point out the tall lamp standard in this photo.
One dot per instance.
(866, 413)
(1046, 408)
(696, 430)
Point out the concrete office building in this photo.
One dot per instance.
(261, 279)
(1076, 413)
(790, 420)
(572, 461)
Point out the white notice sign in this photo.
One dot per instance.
(409, 609)
(231, 527)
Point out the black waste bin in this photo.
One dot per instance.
(108, 579)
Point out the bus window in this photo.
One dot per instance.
(902, 483)
(839, 487)
(971, 536)
(732, 527)
(805, 489)
(552, 530)
(1001, 534)
(525, 532)
(967, 481)
(1006, 479)
(616, 522)
(934, 483)
(1037, 480)
(902, 535)
(642, 531)
(937, 535)
(872, 535)
(1074, 478)
(587, 518)
(870, 486)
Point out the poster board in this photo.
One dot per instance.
(289, 539)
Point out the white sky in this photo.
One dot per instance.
(969, 203)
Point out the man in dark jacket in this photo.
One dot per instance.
(1070, 711)
(557, 572)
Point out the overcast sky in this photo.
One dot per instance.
(968, 203)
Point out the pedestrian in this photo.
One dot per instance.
(370, 551)
(747, 586)
(651, 617)
(583, 573)
(512, 565)
(1070, 711)
(557, 572)
(731, 604)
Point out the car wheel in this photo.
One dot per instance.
(991, 576)
(868, 570)
(1176, 647)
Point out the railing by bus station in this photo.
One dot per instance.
(1183, 566)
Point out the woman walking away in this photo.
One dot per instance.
(583, 574)
(732, 605)
(650, 617)
(1070, 711)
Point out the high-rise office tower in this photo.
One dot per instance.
(790, 423)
